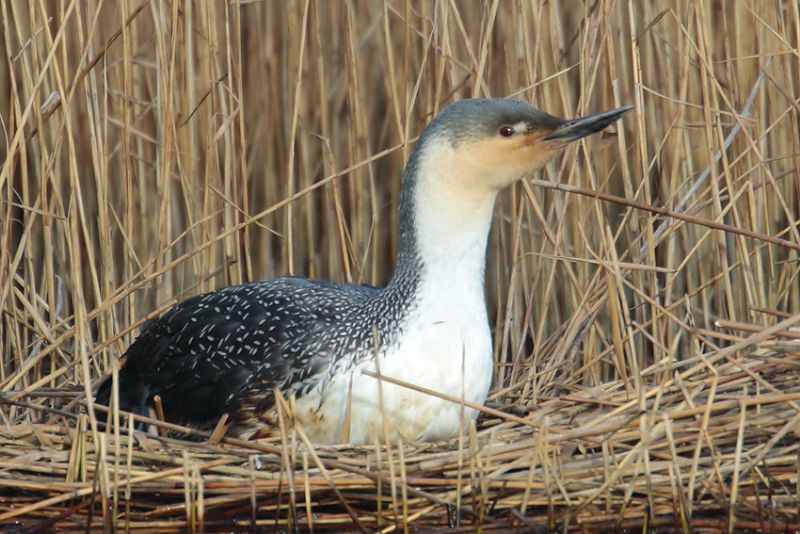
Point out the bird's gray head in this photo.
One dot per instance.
(488, 144)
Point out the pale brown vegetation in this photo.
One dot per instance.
(644, 288)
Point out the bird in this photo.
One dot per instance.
(328, 346)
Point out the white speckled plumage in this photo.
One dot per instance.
(227, 351)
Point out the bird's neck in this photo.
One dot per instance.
(444, 229)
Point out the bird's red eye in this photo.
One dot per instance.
(506, 131)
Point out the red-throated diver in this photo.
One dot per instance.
(226, 351)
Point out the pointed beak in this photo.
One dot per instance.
(576, 128)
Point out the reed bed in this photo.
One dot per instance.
(643, 288)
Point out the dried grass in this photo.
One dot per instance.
(644, 288)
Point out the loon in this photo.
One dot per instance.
(227, 352)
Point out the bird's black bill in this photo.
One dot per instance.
(577, 128)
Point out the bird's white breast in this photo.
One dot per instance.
(446, 347)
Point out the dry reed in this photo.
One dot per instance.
(644, 288)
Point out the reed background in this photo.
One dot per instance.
(154, 150)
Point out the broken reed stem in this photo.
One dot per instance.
(666, 212)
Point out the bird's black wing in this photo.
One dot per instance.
(211, 352)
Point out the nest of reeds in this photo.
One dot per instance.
(715, 443)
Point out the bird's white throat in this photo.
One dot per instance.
(452, 218)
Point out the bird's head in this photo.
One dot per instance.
(484, 145)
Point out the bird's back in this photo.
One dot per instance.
(227, 350)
